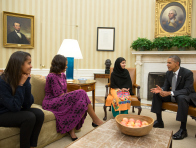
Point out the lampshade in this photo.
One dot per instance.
(70, 48)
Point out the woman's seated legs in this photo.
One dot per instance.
(94, 117)
(72, 134)
(26, 120)
(115, 113)
(37, 126)
(124, 112)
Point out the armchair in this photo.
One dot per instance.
(136, 100)
(174, 106)
(1, 71)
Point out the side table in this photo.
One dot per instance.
(88, 86)
(101, 75)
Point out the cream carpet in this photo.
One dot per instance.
(168, 118)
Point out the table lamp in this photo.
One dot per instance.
(71, 50)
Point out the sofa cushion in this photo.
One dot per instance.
(8, 132)
(48, 115)
(174, 107)
(135, 101)
(38, 88)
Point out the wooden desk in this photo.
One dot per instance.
(88, 86)
(101, 75)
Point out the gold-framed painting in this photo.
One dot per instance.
(18, 30)
(173, 18)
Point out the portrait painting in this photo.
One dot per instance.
(173, 17)
(18, 30)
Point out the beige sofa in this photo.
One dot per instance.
(9, 137)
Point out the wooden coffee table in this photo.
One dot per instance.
(108, 135)
(88, 86)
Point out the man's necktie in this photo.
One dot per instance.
(173, 86)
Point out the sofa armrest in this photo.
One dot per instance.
(136, 86)
(108, 85)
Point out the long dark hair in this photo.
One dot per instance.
(58, 64)
(13, 70)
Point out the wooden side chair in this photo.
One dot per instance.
(136, 100)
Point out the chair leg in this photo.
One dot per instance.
(133, 109)
(110, 108)
(105, 110)
(139, 109)
(194, 118)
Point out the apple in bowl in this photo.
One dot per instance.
(133, 123)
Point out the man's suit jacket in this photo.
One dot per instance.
(14, 38)
(184, 84)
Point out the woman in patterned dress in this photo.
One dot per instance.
(69, 108)
(121, 88)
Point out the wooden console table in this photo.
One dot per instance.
(102, 75)
(88, 86)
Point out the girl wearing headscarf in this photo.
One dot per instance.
(121, 88)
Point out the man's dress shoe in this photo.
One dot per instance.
(158, 124)
(181, 134)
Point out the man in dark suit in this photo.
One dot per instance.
(16, 36)
(177, 87)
